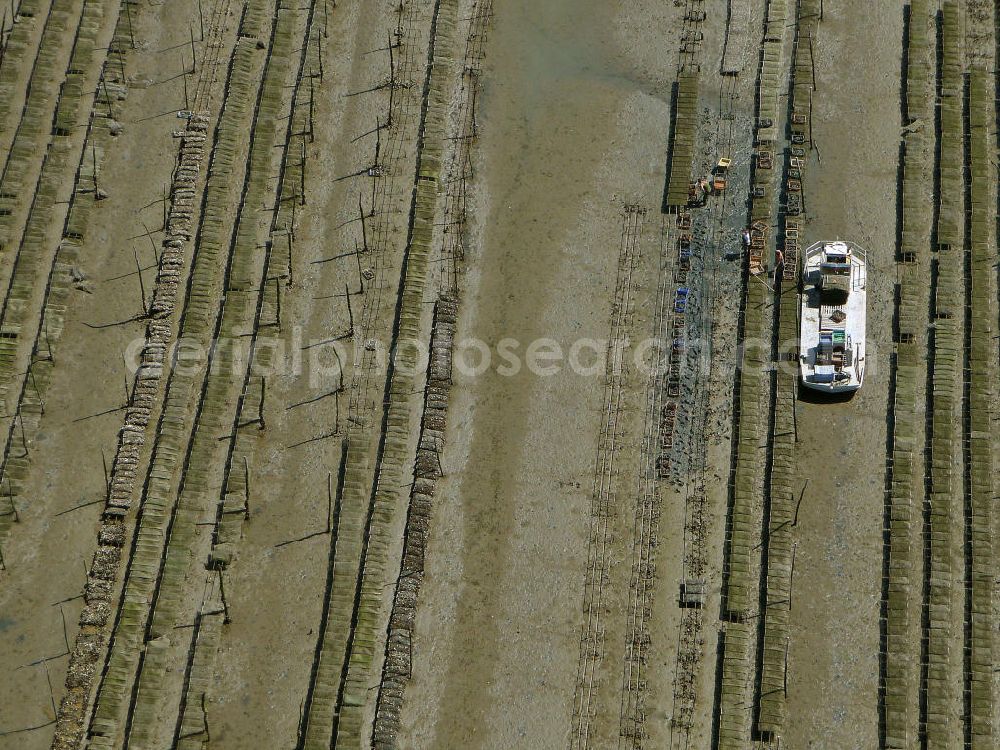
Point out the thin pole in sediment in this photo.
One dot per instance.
(225, 605)
(38, 393)
(361, 276)
(392, 62)
(187, 104)
(277, 302)
(312, 135)
(125, 380)
(10, 499)
(24, 439)
(302, 172)
(812, 61)
(194, 56)
(142, 285)
(364, 228)
(350, 312)
(795, 518)
(48, 679)
(152, 244)
(48, 342)
(329, 501)
(263, 391)
(107, 479)
(128, 16)
(107, 98)
(62, 614)
(246, 484)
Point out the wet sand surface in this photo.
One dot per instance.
(567, 135)
(571, 127)
(834, 628)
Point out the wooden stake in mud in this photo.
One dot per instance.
(812, 61)
(225, 605)
(128, 16)
(48, 679)
(350, 312)
(392, 96)
(246, 482)
(38, 393)
(3, 30)
(3, 565)
(152, 244)
(204, 712)
(472, 112)
(329, 501)
(312, 136)
(125, 380)
(201, 22)
(24, 439)
(263, 391)
(187, 104)
(364, 228)
(107, 479)
(48, 343)
(62, 614)
(795, 519)
(121, 67)
(795, 415)
(791, 575)
(277, 296)
(164, 211)
(142, 285)
(10, 499)
(361, 275)
(392, 63)
(194, 56)
(97, 189)
(107, 98)
(302, 172)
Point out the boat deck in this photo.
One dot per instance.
(840, 326)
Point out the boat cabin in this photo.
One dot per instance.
(834, 281)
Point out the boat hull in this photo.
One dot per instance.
(832, 333)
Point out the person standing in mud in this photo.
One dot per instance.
(704, 190)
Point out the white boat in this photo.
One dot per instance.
(832, 328)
